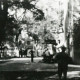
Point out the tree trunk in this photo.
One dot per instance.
(3, 18)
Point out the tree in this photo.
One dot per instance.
(3, 18)
(77, 35)
(19, 12)
(9, 23)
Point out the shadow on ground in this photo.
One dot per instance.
(31, 75)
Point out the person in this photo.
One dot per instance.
(62, 59)
(32, 55)
(46, 55)
(20, 53)
(25, 52)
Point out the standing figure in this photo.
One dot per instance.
(46, 56)
(20, 53)
(63, 60)
(32, 55)
(25, 52)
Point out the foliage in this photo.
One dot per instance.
(38, 22)
(10, 23)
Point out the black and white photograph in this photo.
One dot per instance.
(39, 39)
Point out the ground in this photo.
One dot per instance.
(24, 69)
